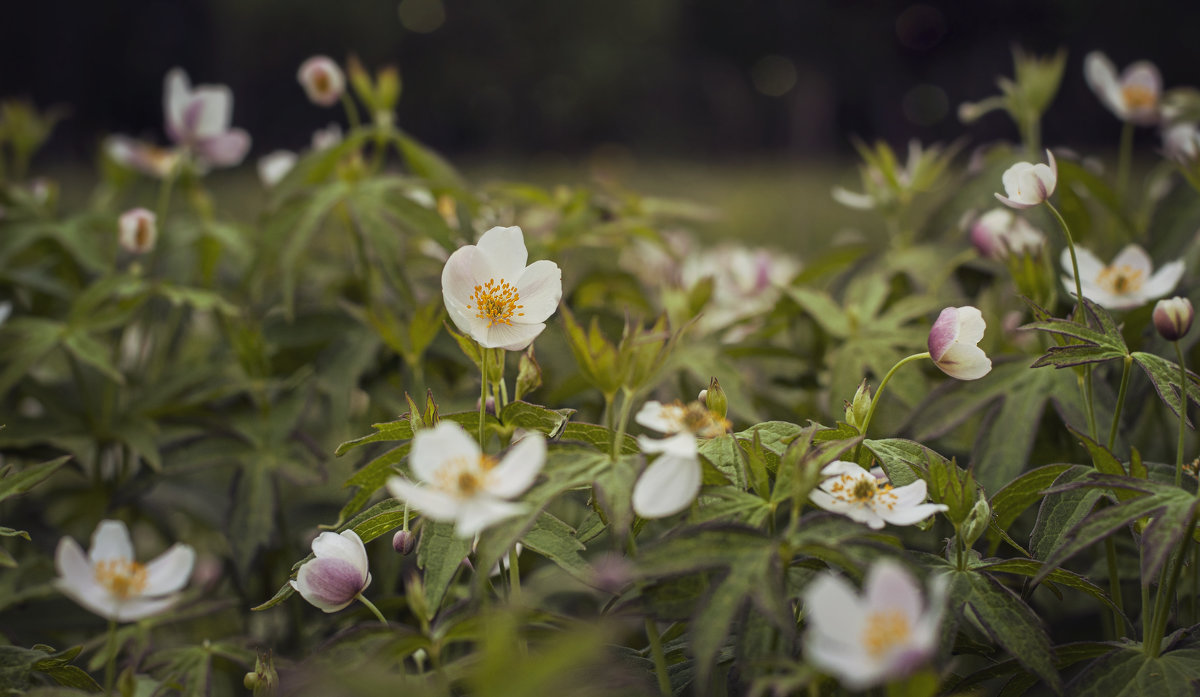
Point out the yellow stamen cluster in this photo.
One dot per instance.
(696, 418)
(123, 578)
(141, 236)
(496, 302)
(1139, 97)
(868, 490)
(884, 631)
(465, 476)
(322, 83)
(1121, 279)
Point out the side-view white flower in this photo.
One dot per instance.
(1134, 96)
(1129, 281)
(323, 81)
(867, 497)
(111, 584)
(1027, 185)
(1173, 318)
(954, 343)
(461, 484)
(338, 572)
(199, 119)
(1000, 232)
(496, 299)
(671, 482)
(137, 229)
(877, 637)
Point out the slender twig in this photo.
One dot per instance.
(1112, 431)
(878, 392)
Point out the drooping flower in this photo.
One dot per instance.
(323, 81)
(198, 119)
(1173, 318)
(1129, 281)
(111, 584)
(954, 343)
(1134, 96)
(867, 497)
(877, 637)
(274, 167)
(671, 482)
(496, 299)
(1000, 232)
(1027, 185)
(137, 229)
(337, 574)
(461, 484)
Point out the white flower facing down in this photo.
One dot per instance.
(874, 638)
(1000, 232)
(953, 343)
(111, 584)
(137, 229)
(198, 119)
(1134, 96)
(671, 482)
(492, 296)
(337, 573)
(867, 497)
(462, 485)
(1129, 281)
(1027, 185)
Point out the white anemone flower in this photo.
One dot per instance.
(867, 497)
(111, 584)
(492, 296)
(137, 229)
(672, 481)
(694, 418)
(1128, 282)
(1000, 232)
(1134, 96)
(462, 485)
(877, 637)
(954, 343)
(338, 572)
(323, 81)
(198, 119)
(1027, 184)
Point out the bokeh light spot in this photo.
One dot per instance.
(422, 16)
(773, 75)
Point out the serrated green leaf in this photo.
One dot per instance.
(1164, 375)
(29, 477)
(1032, 567)
(1021, 493)
(1129, 672)
(1059, 513)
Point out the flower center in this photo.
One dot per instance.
(884, 631)
(696, 418)
(141, 236)
(1139, 97)
(463, 477)
(321, 81)
(496, 302)
(123, 578)
(1121, 279)
(863, 490)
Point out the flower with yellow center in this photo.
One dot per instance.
(462, 485)
(1128, 282)
(1134, 96)
(492, 296)
(109, 582)
(672, 481)
(868, 498)
(875, 638)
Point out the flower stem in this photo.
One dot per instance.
(351, 111)
(1080, 315)
(622, 423)
(1183, 403)
(878, 392)
(1112, 431)
(110, 646)
(1162, 602)
(483, 392)
(371, 606)
(514, 577)
(660, 659)
(1114, 585)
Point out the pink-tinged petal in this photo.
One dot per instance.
(519, 467)
(1164, 280)
(214, 113)
(111, 541)
(516, 337)
(1089, 265)
(134, 609)
(170, 571)
(668, 486)
(1012, 203)
(965, 362)
(1135, 258)
(176, 96)
(505, 249)
(1142, 74)
(433, 447)
(889, 586)
(944, 333)
(328, 583)
(322, 79)
(481, 513)
(432, 503)
(912, 516)
(540, 288)
(346, 546)
(227, 149)
(1053, 167)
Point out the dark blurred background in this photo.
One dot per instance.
(704, 79)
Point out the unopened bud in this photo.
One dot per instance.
(977, 521)
(715, 400)
(404, 541)
(1173, 318)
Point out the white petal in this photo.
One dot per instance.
(1135, 258)
(516, 337)
(274, 167)
(111, 541)
(834, 609)
(432, 503)
(1163, 281)
(481, 512)
(519, 467)
(681, 445)
(134, 609)
(170, 571)
(889, 586)
(965, 362)
(911, 516)
(852, 199)
(345, 546)
(176, 91)
(1013, 203)
(226, 149)
(840, 467)
(668, 486)
(433, 447)
(540, 288)
(215, 110)
(77, 580)
(970, 325)
(1101, 76)
(465, 269)
(910, 494)
(1090, 265)
(655, 415)
(504, 247)
(853, 667)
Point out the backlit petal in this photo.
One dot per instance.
(111, 541)
(519, 467)
(170, 571)
(433, 447)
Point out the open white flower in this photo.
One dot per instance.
(1129, 281)
(137, 229)
(954, 343)
(461, 484)
(1027, 185)
(111, 584)
(323, 81)
(198, 119)
(874, 638)
(1000, 232)
(496, 299)
(338, 572)
(1134, 96)
(867, 497)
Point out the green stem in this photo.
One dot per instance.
(483, 390)
(110, 646)
(514, 577)
(1183, 402)
(351, 111)
(1147, 613)
(660, 659)
(1162, 605)
(879, 392)
(1114, 586)
(1112, 431)
(622, 423)
(371, 606)
(1081, 316)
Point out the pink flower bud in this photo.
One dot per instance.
(1173, 318)
(322, 80)
(137, 230)
(404, 541)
